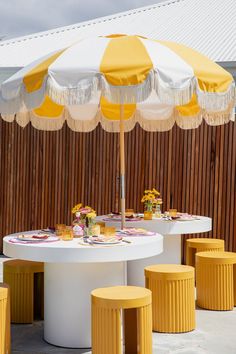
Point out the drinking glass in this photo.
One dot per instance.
(173, 212)
(102, 224)
(95, 230)
(129, 212)
(59, 229)
(109, 231)
(67, 234)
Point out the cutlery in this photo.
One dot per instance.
(126, 241)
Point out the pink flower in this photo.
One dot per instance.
(85, 210)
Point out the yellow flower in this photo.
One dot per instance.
(155, 191)
(76, 208)
(91, 215)
(147, 191)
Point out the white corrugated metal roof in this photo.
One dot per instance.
(206, 25)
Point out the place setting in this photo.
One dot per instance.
(34, 238)
(130, 215)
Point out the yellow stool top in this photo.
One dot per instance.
(121, 297)
(205, 242)
(216, 257)
(169, 271)
(4, 288)
(22, 266)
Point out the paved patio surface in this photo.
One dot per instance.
(215, 334)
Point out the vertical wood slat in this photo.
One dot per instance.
(43, 174)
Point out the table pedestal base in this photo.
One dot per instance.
(67, 299)
(171, 255)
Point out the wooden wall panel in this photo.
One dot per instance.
(43, 174)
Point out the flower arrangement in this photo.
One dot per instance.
(84, 215)
(150, 198)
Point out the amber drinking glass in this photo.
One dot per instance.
(173, 212)
(102, 224)
(67, 233)
(59, 229)
(109, 231)
(129, 212)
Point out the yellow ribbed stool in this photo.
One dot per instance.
(216, 280)
(23, 278)
(194, 245)
(5, 337)
(173, 304)
(109, 306)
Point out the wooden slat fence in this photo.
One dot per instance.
(43, 174)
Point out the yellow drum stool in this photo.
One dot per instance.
(173, 303)
(216, 280)
(5, 341)
(194, 245)
(24, 277)
(109, 306)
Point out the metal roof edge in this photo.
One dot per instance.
(87, 23)
(230, 66)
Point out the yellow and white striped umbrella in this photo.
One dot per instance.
(160, 83)
(119, 80)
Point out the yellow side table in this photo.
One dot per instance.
(216, 280)
(194, 245)
(173, 303)
(23, 277)
(109, 306)
(5, 338)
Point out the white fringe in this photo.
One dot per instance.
(88, 88)
(23, 119)
(156, 125)
(174, 96)
(216, 101)
(84, 126)
(81, 94)
(8, 117)
(48, 124)
(113, 126)
(160, 125)
(127, 94)
(218, 118)
(190, 122)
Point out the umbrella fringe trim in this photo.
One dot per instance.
(88, 88)
(216, 102)
(81, 94)
(184, 122)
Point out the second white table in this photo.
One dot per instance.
(172, 232)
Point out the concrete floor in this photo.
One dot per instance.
(215, 334)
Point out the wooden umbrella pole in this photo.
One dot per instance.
(122, 164)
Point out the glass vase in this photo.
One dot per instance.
(158, 211)
(78, 227)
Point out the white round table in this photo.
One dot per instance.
(71, 272)
(171, 231)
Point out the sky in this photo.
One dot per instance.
(22, 17)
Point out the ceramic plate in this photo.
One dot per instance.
(38, 238)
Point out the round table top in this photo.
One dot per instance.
(164, 227)
(216, 257)
(74, 252)
(169, 271)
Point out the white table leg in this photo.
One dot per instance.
(171, 254)
(67, 299)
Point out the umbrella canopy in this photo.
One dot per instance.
(119, 80)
